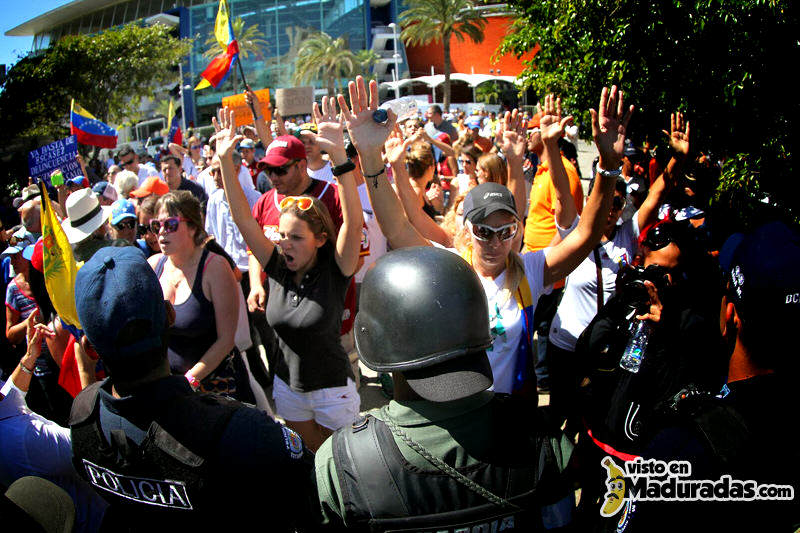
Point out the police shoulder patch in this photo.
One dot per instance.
(293, 443)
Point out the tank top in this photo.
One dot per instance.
(195, 327)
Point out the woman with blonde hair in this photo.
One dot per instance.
(491, 168)
(513, 283)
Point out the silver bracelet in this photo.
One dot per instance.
(25, 369)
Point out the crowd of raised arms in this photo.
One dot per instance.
(536, 343)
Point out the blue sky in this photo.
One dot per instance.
(15, 13)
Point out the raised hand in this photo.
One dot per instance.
(678, 134)
(226, 133)
(330, 129)
(513, 135)
(365, 133)
(552, 125)
(609, 127)
(395, 147)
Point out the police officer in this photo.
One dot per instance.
(446, 453)
(160, 454)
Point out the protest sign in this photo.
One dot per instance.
(244, 115)
(295, 101)
(60, 154)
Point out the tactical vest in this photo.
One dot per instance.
(160, 481)
(381, 491)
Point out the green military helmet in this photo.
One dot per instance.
(421, 307)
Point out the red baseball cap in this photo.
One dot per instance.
(282, 150)
(152, 185)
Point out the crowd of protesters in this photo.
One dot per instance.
(260, 237)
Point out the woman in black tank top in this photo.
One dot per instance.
(202, 289)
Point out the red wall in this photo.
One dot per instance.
(467, 55)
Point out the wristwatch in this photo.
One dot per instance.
(609, 173)
(347, 166)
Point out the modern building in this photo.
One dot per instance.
(283, 25)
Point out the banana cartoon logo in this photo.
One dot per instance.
(615, 497)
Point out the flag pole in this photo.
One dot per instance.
(239, 62)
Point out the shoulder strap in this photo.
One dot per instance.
(84, 403)
(198, 277)
(599, 269)
(160, 265)
(362, 469)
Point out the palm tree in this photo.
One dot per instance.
(428, 21)
(489, 92)
(249, 41)
(365, 60)
(320, 55)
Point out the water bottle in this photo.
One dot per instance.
(405, 107)
(636, 347)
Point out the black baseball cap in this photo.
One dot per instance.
(487, 198)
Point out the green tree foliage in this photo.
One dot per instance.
(723, 63)
(108, 74)
(365, 61)
(248, 37)
(322, 56)
(436, 21)
(489, 92)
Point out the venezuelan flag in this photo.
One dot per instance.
(89, 130)
(221, 66)
(59, 264)
(174, 135)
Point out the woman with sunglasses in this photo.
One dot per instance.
(467, 158)
(593, 282)
(513, 282)
(309, 272)
(202, 289)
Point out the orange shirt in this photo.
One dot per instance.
(540, 228)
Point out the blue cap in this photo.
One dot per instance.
(122, 209)
(121, 308)
(474, 122)
(100, 187)
(78, 181)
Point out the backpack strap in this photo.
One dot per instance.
(363, 471)
(599, 270)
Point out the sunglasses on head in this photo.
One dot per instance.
(482, 232)
(304, 203)
(170, 224)
(280, 171)
(125, 224)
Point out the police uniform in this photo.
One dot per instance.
(455, 456)
(163, 456)
(470, 435)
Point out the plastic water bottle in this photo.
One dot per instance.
(636, 347)
(405, 107)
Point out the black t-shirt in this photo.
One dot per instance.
(308, 320)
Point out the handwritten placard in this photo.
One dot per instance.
(60, 154)
(294, 101)
(244, 115)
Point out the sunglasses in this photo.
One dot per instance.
(126, 163)
(304, 203)
(482, 232)
(143, 229)
(125, 224)
(618, 203)
(280, 171)
(170, 224)
(196, 146)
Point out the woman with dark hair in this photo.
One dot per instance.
(309, 271)
(202, 289)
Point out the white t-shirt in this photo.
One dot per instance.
(325, 173)
(206, 180)
(377, 240)
(579, 304)
(145, 171)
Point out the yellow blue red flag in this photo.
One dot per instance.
(220, 67)
(89, 130)
(59, 264)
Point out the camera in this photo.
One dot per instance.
(631, 289)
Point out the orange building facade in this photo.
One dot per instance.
(468, 57)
